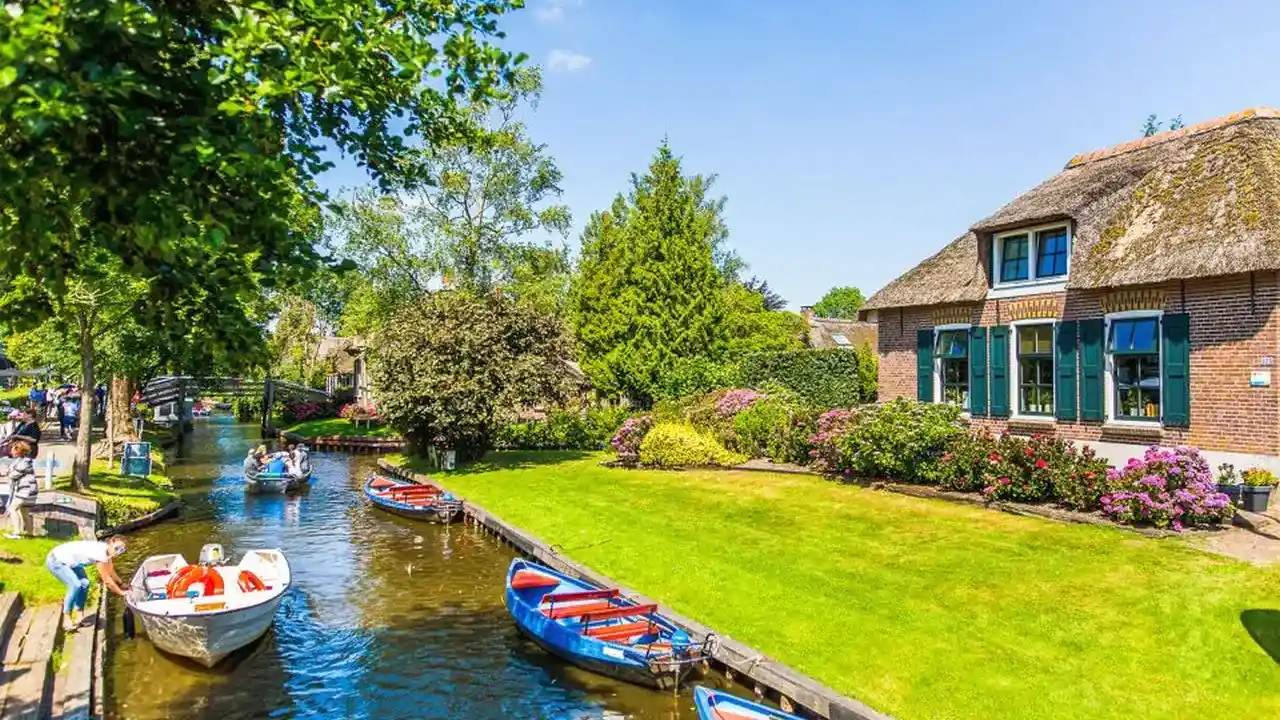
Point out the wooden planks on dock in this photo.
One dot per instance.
(25, 681)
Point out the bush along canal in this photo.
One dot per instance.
(388, 617)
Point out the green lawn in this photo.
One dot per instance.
(15, 395)
(22, 569)
(920, 608)
(122, 498)
(341, 427)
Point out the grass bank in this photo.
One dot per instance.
(329, 427)
(921, 608)
(122, 498)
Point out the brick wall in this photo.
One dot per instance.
(1235, 323)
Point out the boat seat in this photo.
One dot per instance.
(567, 611)
(156, 581)
(584, 595)
(621, 631)
(526, 579)
(619, 611)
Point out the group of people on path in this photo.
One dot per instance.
(63, 403)
(294, 460)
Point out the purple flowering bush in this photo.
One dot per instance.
(1166, 488)
(735, 401)
(824, 453)
(626, 442)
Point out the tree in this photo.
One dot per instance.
(772, 300)
(840, 302)
(452, 367)
(752, 327)
(183, 140)
(647, 289)
(1152, 125)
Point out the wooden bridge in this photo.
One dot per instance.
(177, 388)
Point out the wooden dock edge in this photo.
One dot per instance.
(343, 442)
(741, 660)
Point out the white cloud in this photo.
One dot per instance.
(551, 11)
(567, 60)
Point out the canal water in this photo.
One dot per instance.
(388, 618)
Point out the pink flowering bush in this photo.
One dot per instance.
(824, 453)
(293, 412)
(1166, 488)
(626, 442)
(735, 401)
(351, 411)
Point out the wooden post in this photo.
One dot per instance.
(268, 400)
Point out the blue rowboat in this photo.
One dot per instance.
(411, 500)
(599, 629)
(716, 705)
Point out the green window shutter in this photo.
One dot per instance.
(924, 365)
(977, 372)
(999, 371)
(1064, 384)
(1091, 369)
(1175, 370)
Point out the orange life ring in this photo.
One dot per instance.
(192, 574)
(250, 582)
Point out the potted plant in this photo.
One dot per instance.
(1229, 482)
(1256, 491)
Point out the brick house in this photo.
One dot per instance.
(1131, 299)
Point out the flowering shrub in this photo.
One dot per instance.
(902, 439)
(735, 401)
(303, 410)
(626, 442)
(832, 426)
(1166, 488)
(353, 411)
(1258, 477)
(674, 445)
(964, 465)
(569, 429)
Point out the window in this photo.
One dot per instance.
(1134, 344)
(953, 366)
(1013, 258)
(1051, 253)
(1034, 255)
(1035, 369)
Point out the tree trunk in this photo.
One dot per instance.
(80, 470)
(119, 418)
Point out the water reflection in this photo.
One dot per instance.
(389, 618)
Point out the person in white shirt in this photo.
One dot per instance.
(67, 563)
(10, 424)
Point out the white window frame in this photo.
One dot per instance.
(1109, 383)
(1032, 284)
(937, 364)
(1015, 371)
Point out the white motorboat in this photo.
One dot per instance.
(209, 610)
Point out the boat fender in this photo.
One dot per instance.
(250, 582)
(130, 629)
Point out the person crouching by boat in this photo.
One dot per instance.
(67, 563)
(301, 460)
(22, 478)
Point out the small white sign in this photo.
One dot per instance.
(1268, 361)
(1260, 378)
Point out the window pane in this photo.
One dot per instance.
(1051, 249)
(1013, 259)
(953, 343)
(1035, 340)
(1137, 380)
(955, 382)
(1035, 382)
(1139, 335)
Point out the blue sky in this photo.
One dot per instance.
(854, 139)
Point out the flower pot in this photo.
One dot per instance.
(1232, 492)
(1255, 499)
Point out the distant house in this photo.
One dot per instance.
(349, 370)
(1131, 299)
(836, 332)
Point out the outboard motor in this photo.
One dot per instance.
(212, 554)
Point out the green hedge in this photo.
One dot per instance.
(563, 430)
(827, 378)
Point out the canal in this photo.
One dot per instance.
(388, 618)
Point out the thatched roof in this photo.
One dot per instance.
(828, 333)
(1197, 202)
(953, 275)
